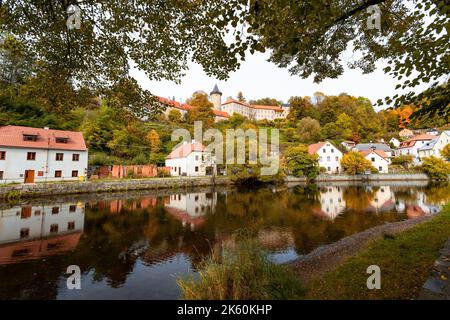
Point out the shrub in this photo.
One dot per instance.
(446, 152)
(405, 161)
(243, 274)
(436, 168)
(355, 163)
(300, 163)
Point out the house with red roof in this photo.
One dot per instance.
(329, 156)
(379, 159)
(190, 159)
(412, 146)
(29, 155)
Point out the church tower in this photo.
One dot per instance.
(216, 98)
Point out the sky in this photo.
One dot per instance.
(258, 78)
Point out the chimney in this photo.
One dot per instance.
(46, 128)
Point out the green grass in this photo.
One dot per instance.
(245, 273)
(405, 261)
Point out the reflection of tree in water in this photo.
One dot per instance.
(438, 193)
(406, 194)
(359, 198)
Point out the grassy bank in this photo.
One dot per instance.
(405, 261)
(245, 273)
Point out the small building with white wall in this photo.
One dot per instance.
(379, 159)
(434, 147)
(329, 156)
(190, 159)
(412, 146)
(29, 155)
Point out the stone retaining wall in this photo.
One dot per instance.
(34, 190)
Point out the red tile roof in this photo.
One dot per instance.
(313, 148)
(411, 142)
(186, 107)
(381, 153)
(185, 150)
(12, 136)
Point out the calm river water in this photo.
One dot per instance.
(136, 245)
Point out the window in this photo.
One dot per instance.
(59, 156)
(75, 173)
(373, 159)
(71, 225)
(24, 233)
(1, 175)
(75, 157)
(40, 173)
(26, 213)
(31, 156)
(54, 228)
(61, 140)
(58, 174)
(29, 137)
(196, 158)
(55, 210)
(337, 158)
(324, 150)
(2, 155)
(37, 213)
(328, 158)
(380, 168)
(72, 208)
(196, 169)
(332, 150)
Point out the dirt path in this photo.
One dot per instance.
(329, 257)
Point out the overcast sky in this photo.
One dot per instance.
(258, 78)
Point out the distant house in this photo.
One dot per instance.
(29, 155)
(329, 156)
(406, 134)
(183, 108)
(435, 146)
(190, 159)
(433, 132)
(412, 146)
(348, 145)
(379, 159)
(375, 146)
(395, 142)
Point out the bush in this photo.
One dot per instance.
(355, 163)
(436, 168)
(446, 152)
(300, 163)
(404, 161)
(243, 274)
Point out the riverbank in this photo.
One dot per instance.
(405, 260)
(20, 191)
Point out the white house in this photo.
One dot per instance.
(329, 156)
(379, 159)
(395, 142)
(348, 145)
(251, 111)
(406, 134)
(190, 159)
(412, 146)
(29, 155)
(434, 147)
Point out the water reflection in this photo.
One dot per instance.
(132, 246)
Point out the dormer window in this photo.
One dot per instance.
(61, 139)
(30, 137)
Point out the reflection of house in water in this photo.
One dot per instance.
(190, 208)
(418, 206)
(35, 232)
(332, 202)
(383, 200)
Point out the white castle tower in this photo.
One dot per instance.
(216, 98)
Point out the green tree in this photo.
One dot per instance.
(241, 97)
(355, 163)
(174, 116)
(404, 160)
(300, 163)
(203, 109)
(310, 37)
(446, 152)
(266, 102)
(308, 130)
(301, 108)
(436, 168)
